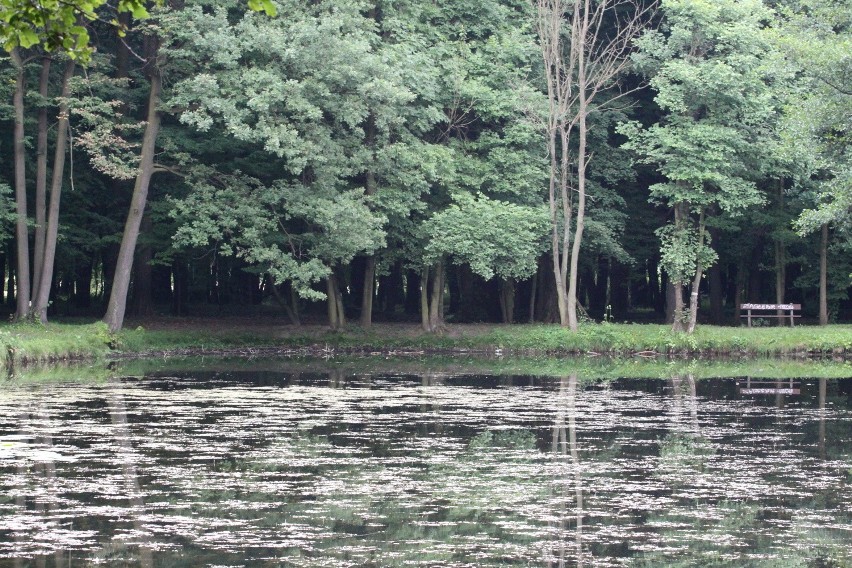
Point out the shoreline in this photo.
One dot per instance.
(25, 344)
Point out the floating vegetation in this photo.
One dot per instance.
(352, 469)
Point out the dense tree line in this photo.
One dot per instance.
(497, 160)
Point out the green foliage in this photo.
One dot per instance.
(816, 36)
(60, 25)
(681, 251)
(291, 232)
(493, 237)
(56, 25)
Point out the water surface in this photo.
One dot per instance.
(328, 468)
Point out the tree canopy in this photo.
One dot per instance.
(453, 160)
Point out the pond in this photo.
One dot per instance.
(320, 465)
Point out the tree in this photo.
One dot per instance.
(714, 90)
(585, 49)
(816, 36)
(495, 238)
(117, 305)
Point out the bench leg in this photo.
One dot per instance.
(749, 318)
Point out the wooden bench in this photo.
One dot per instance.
(789, 308)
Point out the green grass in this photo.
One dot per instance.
(34, 343)
(612, 339)
(28, 343)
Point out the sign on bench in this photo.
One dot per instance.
(789, 308)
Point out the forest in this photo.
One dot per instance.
(341, 161)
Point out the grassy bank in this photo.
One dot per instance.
(356, 368)
(26, 343)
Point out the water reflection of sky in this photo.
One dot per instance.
(326, 469)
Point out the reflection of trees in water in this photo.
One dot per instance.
(566, 454)
(41, 482)
(443, 494)
(683, 449)
(35, 431)
(745, 528)
(128, 457)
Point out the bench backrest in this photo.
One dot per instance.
(796, 307)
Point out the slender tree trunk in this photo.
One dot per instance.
(436, 315)
(43, 293)
(559, 246)
(22, 281)
(677, 322)
(368, 293)
(696, 281)
(370, 189)
(533, 289)
(424, 299)
(331, 301)
(507, 300)
(116, 308)
(41, 177)
(432, 282)
(338, 297)
(780, 261)
(582, 159)
(823, 276)
(336, 316)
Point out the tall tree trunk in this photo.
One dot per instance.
(43, 293)
(436, 302)
(424, 299)
(22, 280)
(116, 308)
(338, 296)
(677, 282)
(370, 189)
(432, 280)
(507, 300)
(780, 261)
(331, 301)
(696, 281)
(823, 276)
(678, 312)
(533, 289)
(582, 159)
(368, 292)
(671, 300)
(41, 177)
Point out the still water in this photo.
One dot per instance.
(328, 468)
